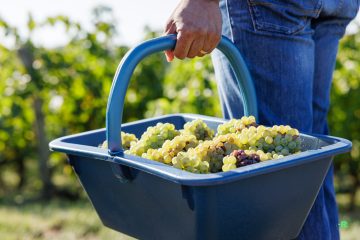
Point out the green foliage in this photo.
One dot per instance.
(344, 116)
(189, 86)
(72, 83)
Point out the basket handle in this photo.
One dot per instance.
(126, 68)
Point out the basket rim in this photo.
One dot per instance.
(335, 146)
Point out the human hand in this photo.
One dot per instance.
(198, 27)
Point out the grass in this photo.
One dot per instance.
(350, 223)
(53, 220)
(67, 220)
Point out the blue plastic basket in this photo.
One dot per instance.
(150, 200)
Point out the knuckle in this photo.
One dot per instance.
(201, 32)
(191, 31)
(168, 23)
(184, 33)
(179, 55)
(214, 33)
(217, 38)
(191, 55)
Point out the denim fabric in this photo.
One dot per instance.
(290, 49)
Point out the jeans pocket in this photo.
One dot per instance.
(283, 16)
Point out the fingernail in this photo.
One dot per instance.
(167, 58)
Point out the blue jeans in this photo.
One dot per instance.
(290, 49)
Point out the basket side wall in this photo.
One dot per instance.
(266, 206)
(148, 207)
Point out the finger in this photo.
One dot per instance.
(169, 29)
(183, 44)
(213, 38)
(196, 46)
(169, 55)
(217, 34)
(208, 44)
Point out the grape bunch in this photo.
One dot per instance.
(153, 138)
(188, 161)
(171, 148)
(236, 125)
(127, 140)
(199, 129)
(213, 151)
(239, 158)
(195, 148)
(281, 139)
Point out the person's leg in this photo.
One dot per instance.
(230, 97)
(329, 29)
(280, 58)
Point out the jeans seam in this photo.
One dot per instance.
(304, 11)
(339, 7)
(319, 8)
(251, 15)
(263, 25)
(229, 20)
(280, 29)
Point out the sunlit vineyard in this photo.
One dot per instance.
(46, 93)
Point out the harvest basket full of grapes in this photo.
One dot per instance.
(188, 176)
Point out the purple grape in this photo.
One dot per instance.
(244, 159)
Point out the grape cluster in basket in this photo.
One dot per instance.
(197, 149)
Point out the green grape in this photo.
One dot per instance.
(127, 140)
(229, 163)
(270, 139)
(189, 162)
(287, 140)
(199, 129)
(284, 142)
(213, 151)
(229, 142)
(236, 125)
(230, 159)
(153, 138)
(285, 152)
(210, 152)
(171, 148)
(292, 145)
(278, 148)
(153, 154)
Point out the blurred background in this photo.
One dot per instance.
(57, 61)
